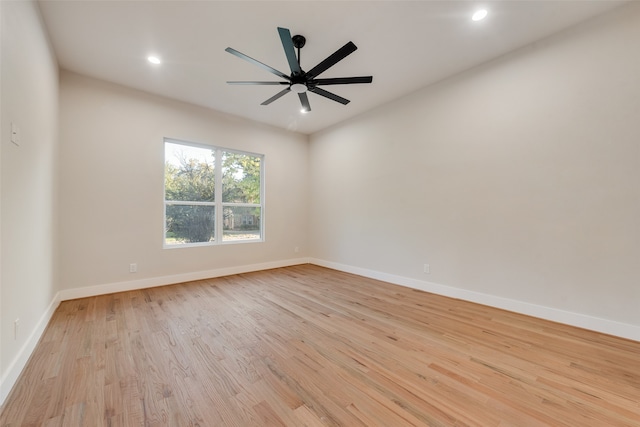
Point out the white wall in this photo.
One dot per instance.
(518, 182)
(29, 98)
(111, 188)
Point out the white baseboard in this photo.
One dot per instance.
(606, 326)
(109, 288)
(20, 361)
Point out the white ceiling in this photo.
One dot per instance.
(405, 45)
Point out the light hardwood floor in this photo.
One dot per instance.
(308, 346)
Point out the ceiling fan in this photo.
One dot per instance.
(300, 81)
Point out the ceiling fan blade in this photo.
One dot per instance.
(289, 50)
(329, 95)
(276, 96)
(304, 100)
(342, 80)
(332, 60)
(258, 83)
(258, 63)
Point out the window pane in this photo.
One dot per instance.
(240, 178)
(241, 223)
(189, 224)
(189, 173)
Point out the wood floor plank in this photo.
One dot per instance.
(310, 346)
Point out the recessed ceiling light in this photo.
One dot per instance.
(480, 15)
(153, 59)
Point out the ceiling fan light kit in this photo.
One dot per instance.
(300, 81)
(298, 88)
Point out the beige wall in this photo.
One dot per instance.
(519, 179)
(111, 185)
(29, 98)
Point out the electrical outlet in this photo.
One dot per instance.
(427, 269)
(15, 133)
(133, 268)
(296, 249)
(16, 323)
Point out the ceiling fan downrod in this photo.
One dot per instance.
(298, 42)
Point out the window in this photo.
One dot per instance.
(212, 195)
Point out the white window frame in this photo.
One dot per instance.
(218, 204)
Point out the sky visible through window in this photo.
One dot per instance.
(173, 153)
